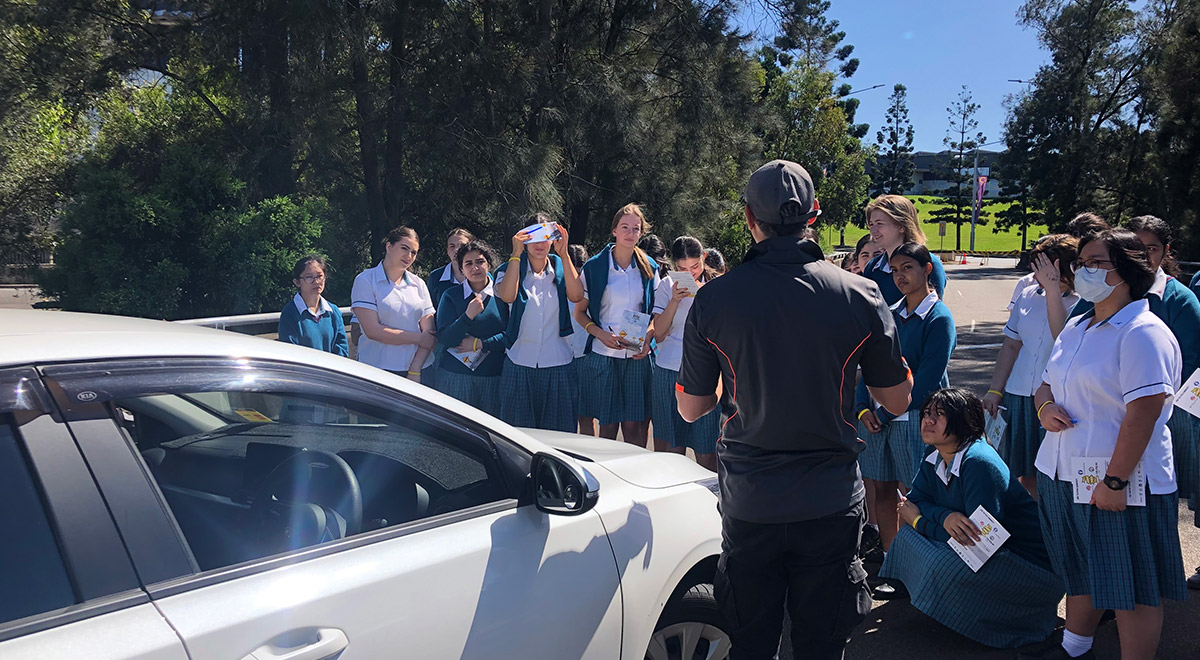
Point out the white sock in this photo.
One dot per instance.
(1076, 645)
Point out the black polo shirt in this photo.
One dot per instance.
(788, 330)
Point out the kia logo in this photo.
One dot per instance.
(86, 396)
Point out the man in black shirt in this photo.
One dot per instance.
(786, 333)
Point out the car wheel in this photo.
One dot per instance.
(691, 628)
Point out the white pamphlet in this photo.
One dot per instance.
(1087, 473)
(685, 280)
(1188, 396)
(632, 331)
(472, 359)
(994, 428)
(542, 232)
(992, 535)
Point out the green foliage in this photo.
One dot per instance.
(894, 163)
(957, 202)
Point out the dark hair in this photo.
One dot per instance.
(1129, 259)
(578, 254)
(1063, 248)
(686, 247)
(398, 233)
(962, 409)
(848, 260)
(917, 252)
(793, 229)
(654, 248)
(858, 247)
(476, 246)
(1165, 235)
(714, 260)
(307, 259)
(1085, 225)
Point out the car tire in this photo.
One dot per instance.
(691, 628)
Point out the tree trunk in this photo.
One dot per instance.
(364, 105)
(393, 184)
(275, 173)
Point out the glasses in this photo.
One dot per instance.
(312, 279)
(1092, 266)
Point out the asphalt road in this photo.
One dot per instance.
(978, 296)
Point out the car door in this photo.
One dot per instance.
(67, 588)
(446, 561)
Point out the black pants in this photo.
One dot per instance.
(812, 567)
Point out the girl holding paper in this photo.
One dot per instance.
(394, 309)
(539, 386)
(1104, 402)
(1037, 317)
(471, 324)
(1012, 599)
(927, 337)
(617, 373)
(672, 302)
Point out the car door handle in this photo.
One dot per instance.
(303, 644)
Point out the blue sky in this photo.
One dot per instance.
(933, 47)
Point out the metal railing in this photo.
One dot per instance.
(244, 320)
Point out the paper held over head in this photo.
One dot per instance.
(542, 232)
(685, 280)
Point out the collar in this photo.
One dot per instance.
(922, 309)
(785, 250)
(1127, 314)
(468, 291)
(1159, 288)
(548, 270)
(381, 274)
(935, 459)
(448, 274)
(323, 304)
(612, 263)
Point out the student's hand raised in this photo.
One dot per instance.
(518, 242)
(564, 240)
(1046, 273)
(475, 307)
(678, 292)
(961, 529)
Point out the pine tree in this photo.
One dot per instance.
(894, 163)
(954, 204)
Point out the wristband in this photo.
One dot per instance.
(914, 522)
(475, 346)
(514, 258)
(1039, 412)
(995, 392)
(590, 324)
(414, 373)
(864, 411)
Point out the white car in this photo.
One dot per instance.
(177, 492)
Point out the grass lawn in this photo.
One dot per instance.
(985, 238)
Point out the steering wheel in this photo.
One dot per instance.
(311, 497)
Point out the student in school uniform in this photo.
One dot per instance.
(616, 388)
(1084, 224)
(439, 281)
(310, 320)
(1106, 397)
(539, 384)
(1012, 600)
(579, 256)
(927, 337)
(1033, 324)
(714, 261)
(470, 319)
(892, 220)
(672, 302)
(394, 309)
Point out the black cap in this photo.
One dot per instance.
(781, 193)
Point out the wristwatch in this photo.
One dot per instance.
(1115, 483)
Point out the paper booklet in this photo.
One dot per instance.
(992, 535)
(542, 232)
(1188, 396)
(685, 280)
(470, 358)
(994, 428)
(632, 331)
(1088, 472)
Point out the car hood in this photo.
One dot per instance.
(637, 466)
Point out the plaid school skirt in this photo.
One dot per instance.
(481, 392)
(700, 435)
(1183, 428)
(614, 390)
(1023, 437)
(545, 399)
(1010, 602)
(895, 453)
(1119, 558)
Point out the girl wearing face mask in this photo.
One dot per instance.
(621, 277)
(1106, 398)
(1037, 317)
(892, 220)
(927, 338)
(395, 311)
(311, 320)
(672, 303)
(539, 385)
(471, 319)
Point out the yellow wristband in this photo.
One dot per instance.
(414, 373)
(588, 326)
(475, 345)
(914, 522)
(1039, 412)
(995, 392)
(864, 411)
(514, 258)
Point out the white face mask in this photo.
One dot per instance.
(1090, 284)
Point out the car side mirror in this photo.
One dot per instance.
(560, 487)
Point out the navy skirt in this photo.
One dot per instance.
(893, 454)
(482, 392)
(1183, 445)
(701, 435)
(614, 390)
(545, 399)
(1010, 602)
(1023, 437)
(1119, 558)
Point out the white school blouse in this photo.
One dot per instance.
(624, 291)
(399, 305)
(1029, 323)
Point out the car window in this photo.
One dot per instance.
(33, 576)
(263, 463)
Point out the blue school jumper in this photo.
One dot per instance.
(1013, 599)
(326, 332)
(887, 286)
(489, 327)
(437, 286)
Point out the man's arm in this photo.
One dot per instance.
(699, 372)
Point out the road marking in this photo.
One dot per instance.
(968, 347)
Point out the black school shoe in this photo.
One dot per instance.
(1053, 650)
(1194, 581)
(869, 549)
